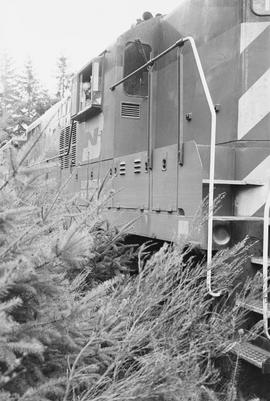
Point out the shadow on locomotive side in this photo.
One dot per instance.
(175, 110)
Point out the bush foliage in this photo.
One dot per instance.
(77, 325)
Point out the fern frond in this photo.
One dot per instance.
(52, 387)
(28, 347)
(8, 306)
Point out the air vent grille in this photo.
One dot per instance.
(64, 144)
(62, 148)
(137, 166)
(73, 152)
(66, 135)
(122, 168)
(130, 110)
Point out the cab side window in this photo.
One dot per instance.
(136, 55)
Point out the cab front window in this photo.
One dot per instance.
(261, 7)
(136, 55)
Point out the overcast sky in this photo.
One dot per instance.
(79, 29)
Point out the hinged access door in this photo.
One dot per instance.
(165, 131)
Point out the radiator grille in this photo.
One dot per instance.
(65, 159)
(66, 136)
(74, 145)
(130, 110)
(64, 140)
(62, 148)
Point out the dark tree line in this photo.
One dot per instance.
(22, 96)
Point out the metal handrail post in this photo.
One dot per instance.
(212, 165)
(265, 264)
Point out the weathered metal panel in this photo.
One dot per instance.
(131, 181)
(90, 177)
(131, 134)
(225, 161)
(215, 28)
(90, 135)
(252, 163)
(169, 227)
(164, 193)
(167, 107)
(190, 180)
(74, 95)
(108, 106)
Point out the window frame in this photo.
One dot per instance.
(124, 75)
(260, 14)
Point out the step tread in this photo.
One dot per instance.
(251, 353)
(239, 218)
(234, 182)
(254, 305)
(258, 260)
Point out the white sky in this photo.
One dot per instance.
(78, 29)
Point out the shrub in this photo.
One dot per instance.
(75, 325)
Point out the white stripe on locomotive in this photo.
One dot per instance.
(250, 31)
(254, 105)
(250, 200)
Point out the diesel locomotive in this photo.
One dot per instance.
(175, 110)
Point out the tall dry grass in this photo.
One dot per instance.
(75, 325)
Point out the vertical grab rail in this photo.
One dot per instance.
(212, 165)
(265, 264)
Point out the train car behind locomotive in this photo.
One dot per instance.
(175, 110)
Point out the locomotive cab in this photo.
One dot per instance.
(87, 90)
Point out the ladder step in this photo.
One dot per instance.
(235, 182)
(239, 218)
(258, 260)
(253, 354)
(254, 305)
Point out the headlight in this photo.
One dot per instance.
(221, 235)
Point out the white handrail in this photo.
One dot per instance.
(265, 264)
(212, 164)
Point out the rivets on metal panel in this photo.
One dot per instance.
(146, 167)
(188, 116)
(181, 211)
(164, 164)
(217, 108)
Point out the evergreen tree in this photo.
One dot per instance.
(8, 97)
(34, 100)
(63, 77)
(22, 98)
(29, 88)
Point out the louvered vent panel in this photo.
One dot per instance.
(137, 166)
(122, 168)
(66, 158)
(74, 144)
(62, 148)
(130, 110)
